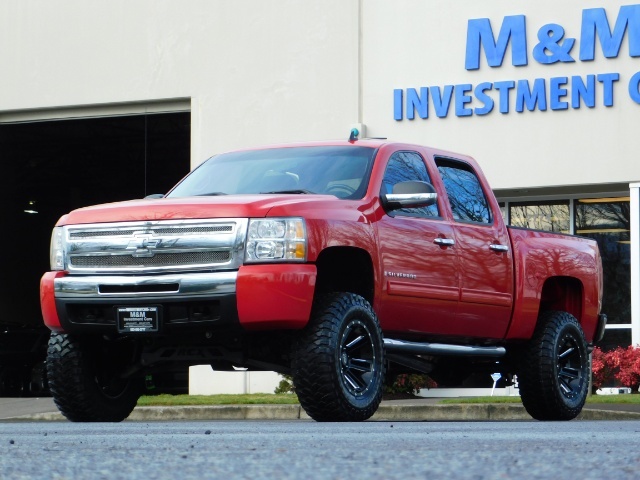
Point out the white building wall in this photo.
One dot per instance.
(204, 381)
(256, 72)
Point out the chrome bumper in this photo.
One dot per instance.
(166, 286)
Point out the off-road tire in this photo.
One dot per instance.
(85, 384)
(338, 362)
(554, 370)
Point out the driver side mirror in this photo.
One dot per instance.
(412, 194)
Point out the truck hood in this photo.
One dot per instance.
(223, 206)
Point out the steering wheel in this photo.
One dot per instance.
(340, 190)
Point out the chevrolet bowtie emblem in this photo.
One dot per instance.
(143, 246)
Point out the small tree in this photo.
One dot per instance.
(285, 385)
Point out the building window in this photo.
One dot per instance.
(503, 211)
(614, 338)
(607, 221)
(552, 216)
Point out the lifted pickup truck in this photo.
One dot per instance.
(339, 263)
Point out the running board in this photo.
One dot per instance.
(415, 348)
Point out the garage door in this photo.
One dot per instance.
(48, 168)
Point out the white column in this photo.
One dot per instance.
(635, 263)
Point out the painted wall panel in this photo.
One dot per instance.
(412, 45)
(281, 70)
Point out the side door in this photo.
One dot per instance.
(418, 258)
(484, 251)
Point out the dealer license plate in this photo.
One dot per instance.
(138, 319)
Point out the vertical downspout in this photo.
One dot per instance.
(635, 263)
(360, 63)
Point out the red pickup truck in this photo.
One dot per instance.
(339, 263)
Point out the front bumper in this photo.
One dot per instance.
(256, 297)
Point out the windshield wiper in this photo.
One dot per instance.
(296, 191)
(212, 194)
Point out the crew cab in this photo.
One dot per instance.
(339, 263)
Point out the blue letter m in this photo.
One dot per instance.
(595, 20)
(480, 34)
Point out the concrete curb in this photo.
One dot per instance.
(595, 414)
(386, 412)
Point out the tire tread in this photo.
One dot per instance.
(314, 376)
(537, 374)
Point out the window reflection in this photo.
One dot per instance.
(403, 167)
(547, 216)
(503, 211)
(608, 222)
(465, 194)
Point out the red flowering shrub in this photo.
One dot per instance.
(629, 368)
(621, 365)
(410, 383)
(600, 368)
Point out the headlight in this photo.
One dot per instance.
(276, 240)
(56, 254)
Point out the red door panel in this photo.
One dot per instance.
(420, 281)
(486, 281)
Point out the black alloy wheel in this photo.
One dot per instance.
(569, 366)
(357, 358)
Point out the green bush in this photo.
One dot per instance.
(285, 385)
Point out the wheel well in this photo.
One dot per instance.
(563, 294)
(345, 269)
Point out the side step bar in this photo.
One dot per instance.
(415, 348)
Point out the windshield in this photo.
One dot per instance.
(342, 171)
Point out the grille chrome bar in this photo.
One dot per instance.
(157, 230)
(178, 285)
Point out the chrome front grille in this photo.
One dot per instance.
(158, 246)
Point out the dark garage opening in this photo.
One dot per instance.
(51, 167)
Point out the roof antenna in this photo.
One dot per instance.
(353, 136)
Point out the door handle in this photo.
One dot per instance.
(498, 248)
(445, 242)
